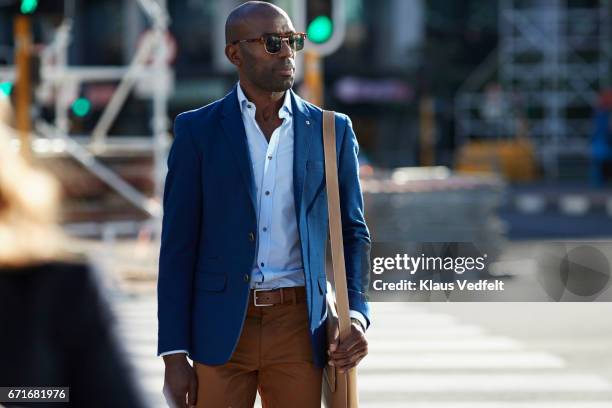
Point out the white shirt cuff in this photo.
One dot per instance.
(165, 353)
(359, 316)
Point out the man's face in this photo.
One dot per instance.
(269, 72)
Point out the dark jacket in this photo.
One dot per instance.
(56, 330)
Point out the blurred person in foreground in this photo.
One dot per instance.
(55, 325)
(242, 281)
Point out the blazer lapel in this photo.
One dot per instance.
(234, 131)
(302, 136)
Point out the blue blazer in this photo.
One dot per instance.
(209, 228)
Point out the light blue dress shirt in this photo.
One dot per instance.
(278, 261)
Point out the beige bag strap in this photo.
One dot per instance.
(335, 223)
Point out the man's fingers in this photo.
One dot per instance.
(173, 400)
(355, 340)
(176, 397)
(351, 342)
(179, 400)
(350, 360)
(193, 390)
(348, 363)
(342, 356)
(352, 349)
(180, 383)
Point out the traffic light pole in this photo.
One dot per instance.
(427, 131)
(23, 85)
(319, 44)
(312, 90)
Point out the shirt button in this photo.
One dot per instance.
(265, 229)
(262, 264)
(251, 237)
(249, 105)
(269, 157)
(246, 277)
(267, 193)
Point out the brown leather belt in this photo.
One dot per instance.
(279, 296)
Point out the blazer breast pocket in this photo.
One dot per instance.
(315, 173)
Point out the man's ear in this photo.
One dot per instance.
(233, 55)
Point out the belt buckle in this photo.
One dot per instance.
(255, 298)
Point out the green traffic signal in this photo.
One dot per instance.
(28, 6)
(320, 29)
(81, 107)
(6, 88)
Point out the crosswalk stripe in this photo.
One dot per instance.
(483, 360)
(406, 332)
(140, 351)
(149, 365)
(482, 383)
(484, 343)
(405, 317)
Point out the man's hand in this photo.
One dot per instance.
(349, 353)
(180, 381)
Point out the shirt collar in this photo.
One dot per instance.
(283, 111)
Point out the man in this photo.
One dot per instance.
(242, 265)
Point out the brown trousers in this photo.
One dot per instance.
(273, 356)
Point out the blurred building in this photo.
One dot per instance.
(401, 63)
(539, 86)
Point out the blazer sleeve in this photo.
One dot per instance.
(356, 235)
(179, 240)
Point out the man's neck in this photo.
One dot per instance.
(267, 103)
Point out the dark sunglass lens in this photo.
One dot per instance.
(296, 41)
(273, 43)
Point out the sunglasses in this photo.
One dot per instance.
(274, 42)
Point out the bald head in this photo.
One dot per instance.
(257, 67)
(239, 22)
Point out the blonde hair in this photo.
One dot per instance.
(29, 205)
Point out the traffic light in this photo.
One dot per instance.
(32, 7)
(28, 6)
(319, 20)
(6, 88)
(81, 107)
(325, 26)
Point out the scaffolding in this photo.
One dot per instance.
(543, 79)
(149, 72)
